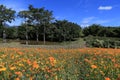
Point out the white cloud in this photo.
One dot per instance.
(87, 20)
(15, 5)
(84, 25)
(60, 17)
(17, 8)
(105, 7)
(102, 21)
(93, 20)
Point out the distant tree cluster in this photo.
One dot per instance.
(102, 31)
(38, 24)
(101, 36)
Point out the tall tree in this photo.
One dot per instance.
(36, 18)
(46, 21)
(6, 15)
(25, 15)
(65, 30)
(40, 17)
(93, 29)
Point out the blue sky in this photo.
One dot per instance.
(82, 12)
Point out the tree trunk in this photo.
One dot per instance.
(1, 23)
(4, 37)
(37, 36)
(26, 38)
(4, 33)
(44, 35)
(26, 33)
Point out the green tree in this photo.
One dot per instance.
(93, 29)
(6, 15)
(26, 16)
(11, 32)
(64, 30)
(40, 17)
(117, 32)
(21, 32)
(46, 22)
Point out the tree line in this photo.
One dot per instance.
(102, 31)
(39, 24)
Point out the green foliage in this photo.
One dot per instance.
(1, 31)
(103, 31)
(6, 15)
(103, 42)
(65, 31)
(92, 30)
(21, 32)
(40, 18)
(11, 33)
(39, 24)
(58, 31)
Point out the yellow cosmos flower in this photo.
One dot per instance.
(12, 68)
(2, 69)
(21, 65)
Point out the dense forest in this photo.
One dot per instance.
(102, 31)
(40, 24)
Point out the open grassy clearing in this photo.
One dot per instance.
(79, 43)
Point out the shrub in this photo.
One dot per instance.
(102, 42)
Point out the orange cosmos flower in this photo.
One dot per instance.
(93, 66)
(52, 60)
(118, 78)
(29, 62)
(86, 60)
(17, 78)
(107, 78)
(18, 73)
(35, 65)
(20, 53)
(31, 78)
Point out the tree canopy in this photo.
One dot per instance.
(40, 24)
(6, 14)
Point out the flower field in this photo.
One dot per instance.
(59, 64)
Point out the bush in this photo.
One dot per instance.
(102, 42)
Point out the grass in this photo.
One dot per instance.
(69, 44)
(59, 64)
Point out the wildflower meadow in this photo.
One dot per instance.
(59, 64)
